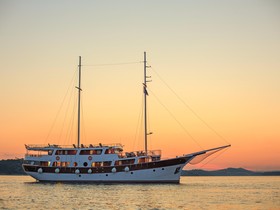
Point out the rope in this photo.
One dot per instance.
(114, 64)
(212, 159)
(186, 131)
(83, 121)
(140, 118)
(189, 108)
(61, 105)
(66, 113)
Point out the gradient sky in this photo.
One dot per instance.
(221, 57)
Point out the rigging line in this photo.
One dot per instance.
(68, 107)
(149, 130)
(138, 124)
(186, 131)
(71, 123)
(83, 120)
(66, 115)
(60, 106)
(212, 159)
(141, 129)
(114, 64)
(194, 113)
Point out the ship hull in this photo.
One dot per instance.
(167, 171)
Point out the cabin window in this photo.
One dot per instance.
(101, 164)
(59, 152)
(75, 164)
(124, 162)
(96, 164)
(91, 152)
(65, 164)
(60, 164)
(66, 152)
(50, 152)
(107, 163)
(72, 152)
(156, 158)
(142, 160)
(57, 164)
(36, 153)
(45, 163)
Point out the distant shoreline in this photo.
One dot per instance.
(228, 172)
(13, 167)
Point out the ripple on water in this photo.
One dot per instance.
(21, 192)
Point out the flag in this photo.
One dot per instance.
(145, 91)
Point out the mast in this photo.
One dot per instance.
(79, 100)
(145, 102)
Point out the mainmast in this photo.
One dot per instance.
(79, 100)
(145, 102)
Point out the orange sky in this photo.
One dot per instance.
(221, 58)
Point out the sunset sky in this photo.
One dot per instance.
(221, 58)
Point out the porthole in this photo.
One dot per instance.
(85, 164)
(131, 172)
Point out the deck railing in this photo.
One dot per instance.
(53, 146)
(140, 153)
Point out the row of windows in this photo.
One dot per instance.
(93, 164)
(83, 152)
(75, 164)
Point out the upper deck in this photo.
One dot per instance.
(86, 155)
(46, 147)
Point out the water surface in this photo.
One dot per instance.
(22, 192)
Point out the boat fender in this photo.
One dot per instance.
(57, 158)
(77, 171)
(114, 170)
(89, 171)
(56, 170)
(40, 170)
(89, 158)
(126, 169)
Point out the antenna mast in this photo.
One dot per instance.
(79, 100)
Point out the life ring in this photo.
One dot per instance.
(57, 158)
(89, 158)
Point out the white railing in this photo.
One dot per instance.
(152, 153)
(54, 146)
(35, 155)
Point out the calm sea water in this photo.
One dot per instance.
(22, 192)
